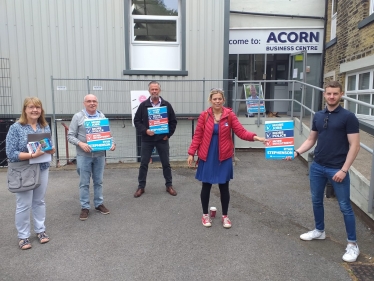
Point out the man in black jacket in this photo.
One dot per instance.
(150, 140)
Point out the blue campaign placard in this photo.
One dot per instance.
(98, 145)
(280, 152)
(94, 130)
(278, 125)
(279, 134)
(158, 120)
(89, 123)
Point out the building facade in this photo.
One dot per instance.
(349, 56)
(276, 40)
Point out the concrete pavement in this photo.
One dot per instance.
(160, 237)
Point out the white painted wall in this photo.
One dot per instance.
(288, 7)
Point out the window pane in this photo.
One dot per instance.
(334, 6)
(361, 108)
(363, 81)
(351, 106)
(233, 66)
(155, 7)
(155, 30)
(351, 83)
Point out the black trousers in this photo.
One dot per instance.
(225, 197)
(147, 147)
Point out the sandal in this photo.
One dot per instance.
(43, 238)
(24, 244)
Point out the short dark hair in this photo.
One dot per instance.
(333, 84)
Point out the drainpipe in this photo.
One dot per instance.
(323, 56)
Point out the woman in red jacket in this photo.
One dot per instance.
(214, 146)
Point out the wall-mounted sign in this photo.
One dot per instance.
(97, 88)
(61, 88)
(276, 41)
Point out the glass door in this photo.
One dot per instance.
(297, 72)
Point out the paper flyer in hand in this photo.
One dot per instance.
(98, 134)
(158, 120)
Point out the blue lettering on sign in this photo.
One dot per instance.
(293, 37)
(239, 42)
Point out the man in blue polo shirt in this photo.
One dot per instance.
(336, 131)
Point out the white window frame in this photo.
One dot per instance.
(334, 18)
(371, 11)
(169, 53)
(356, 93)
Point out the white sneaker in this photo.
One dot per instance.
(206, 221)
(351, 253)
(314, 234)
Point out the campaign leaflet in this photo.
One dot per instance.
(98, 134)
(158, 120)
(45, 143)
(279, 139)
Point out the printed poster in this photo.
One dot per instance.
(158, 120)
(279, 137)
(254, 98)
(137, 97)
(98, 134)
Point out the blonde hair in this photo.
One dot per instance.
(214, 91)
(37, 102)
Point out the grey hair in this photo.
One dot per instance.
(154, 82)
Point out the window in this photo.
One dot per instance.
(371, 11)
(156, 37)
(334, 16)
(360, 86)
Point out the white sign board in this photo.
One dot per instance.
(276, 41)
(137, 97)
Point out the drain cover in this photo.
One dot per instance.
(363, 272)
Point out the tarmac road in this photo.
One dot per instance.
(160, 237)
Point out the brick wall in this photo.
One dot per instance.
(352, 43)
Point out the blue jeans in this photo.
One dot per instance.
(147, 147)
(87, 166)
(319, 175)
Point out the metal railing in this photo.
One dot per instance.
(189, 97)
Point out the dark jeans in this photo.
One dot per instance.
(147, 147)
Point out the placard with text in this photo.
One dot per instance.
(279, 139)
(158, 120)
(98, 134)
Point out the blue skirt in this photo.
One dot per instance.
(212, 170)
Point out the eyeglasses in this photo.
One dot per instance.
(326, 120)
(33, 107)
